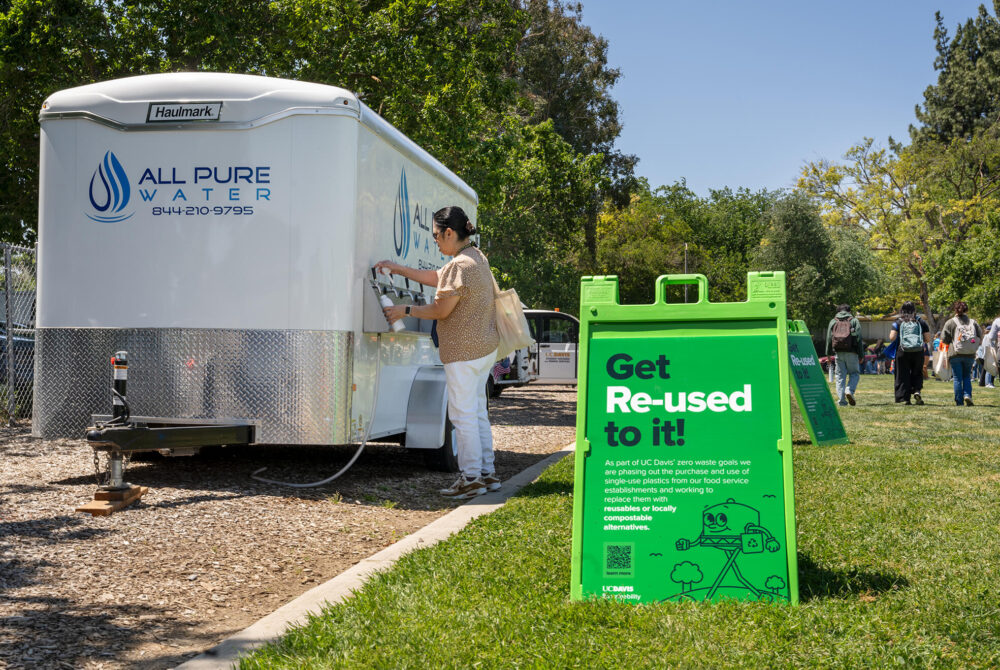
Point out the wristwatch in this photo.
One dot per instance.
(407, 310)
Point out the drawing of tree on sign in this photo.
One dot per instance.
(687, 574)
(774, 583)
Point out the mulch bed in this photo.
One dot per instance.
(208, 551)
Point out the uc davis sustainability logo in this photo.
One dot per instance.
(110, 191)
(401, 219)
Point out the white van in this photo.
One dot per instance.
(554, 354)
(221, 229)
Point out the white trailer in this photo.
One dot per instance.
(221, 228)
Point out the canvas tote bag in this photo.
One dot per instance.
(991, 360)
(512, 326)
(942, 369)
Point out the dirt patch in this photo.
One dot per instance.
(208, 550)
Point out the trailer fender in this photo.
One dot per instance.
(427, 408)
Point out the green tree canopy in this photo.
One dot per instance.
(563, 74)
(966, 97)
(822, 268)
(728, 234)
(914, 202)
(646, 239)
(530, 208)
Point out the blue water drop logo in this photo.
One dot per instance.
(110, 191)
(401, 219)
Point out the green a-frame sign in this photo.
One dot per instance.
(683, 486)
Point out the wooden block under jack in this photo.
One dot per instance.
(108, 502)
(120, 494)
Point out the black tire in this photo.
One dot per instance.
(444, 458)
(493, 390)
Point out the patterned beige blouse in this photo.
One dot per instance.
(470, 331)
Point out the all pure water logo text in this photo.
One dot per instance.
(190, 191)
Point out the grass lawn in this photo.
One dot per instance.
(899, 566)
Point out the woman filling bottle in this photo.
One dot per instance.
(467, 334)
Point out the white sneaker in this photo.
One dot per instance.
(464, 488)
(990, 386)
(492, 482)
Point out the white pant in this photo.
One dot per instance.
(467, 411)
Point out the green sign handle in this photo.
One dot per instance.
(663, 281)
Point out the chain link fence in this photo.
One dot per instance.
(17, 334)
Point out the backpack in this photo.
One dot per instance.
(910, 334)
(965, 340)
(843, 335)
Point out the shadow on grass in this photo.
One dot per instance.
(816, 581)
(539, 489)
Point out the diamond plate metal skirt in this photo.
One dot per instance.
(295, 385)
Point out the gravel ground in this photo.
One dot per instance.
(208, 550)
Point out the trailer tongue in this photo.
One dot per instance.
(122, 434)
(151, 433)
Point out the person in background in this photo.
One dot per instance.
(913, 334)
(991, 340)
(979, 369)
(935, 347)
(880, 357)
(466, 316)
(928, 357)
(962, 335)
(843, 338)
(872, 353)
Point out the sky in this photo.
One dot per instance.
(743, 94)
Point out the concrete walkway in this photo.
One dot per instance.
(225, 654)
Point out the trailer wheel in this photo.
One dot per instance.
(493, 389)
(444, 458)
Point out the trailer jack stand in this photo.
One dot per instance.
(117, 493)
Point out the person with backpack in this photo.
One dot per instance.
(962, 335)
(843, 339)
(910, 333)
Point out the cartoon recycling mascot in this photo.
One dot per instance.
(733, 528)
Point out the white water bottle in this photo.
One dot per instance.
(386, 302)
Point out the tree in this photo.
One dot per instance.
(968, 271)
(966, 97)
(687, 574)
(913, 202)
(530, 209)
(646, 239)
(45, 45)
(727, 231)
(564, 75)
(797, 243)
(436, 70)
(823, 267)
(856, 275)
